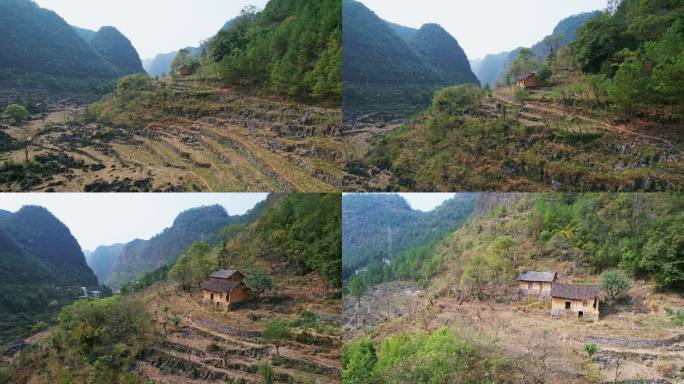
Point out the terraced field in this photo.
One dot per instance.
(206, 138)
(217, 346)
(507, 145)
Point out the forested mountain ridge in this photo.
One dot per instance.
(441, 50)
(39, 40)
(43, 58)
(392, 69)
(46, 242)
(117, 50)
(197, 224)
(384, 226)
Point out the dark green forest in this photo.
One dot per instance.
(639, 233)
(291, 47)
(637, 48)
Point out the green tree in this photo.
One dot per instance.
(457, 100)
(590, 348)
(276, 332)
(358, 361)
(258, 282)
(663, 252)
(19, 116)
(615, 283)
(200, 266)
(357, 288)
(181, 272)
(477, 272)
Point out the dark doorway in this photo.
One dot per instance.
(580, 314)
(567, 305)
(212, 296)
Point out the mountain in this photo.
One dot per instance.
(393, 69)
(86, 34)
(39, 40)
(203, 223)
(117, 50)
(441, 51)
(161, 64)
(382, 226)
(493, 67)
(102, 259)
(406, 33)
(49, 248)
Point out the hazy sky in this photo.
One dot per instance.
(426, 201)
(153, 26)
(485, 26)
(105, 219)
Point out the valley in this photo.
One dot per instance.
(213, 298)
(211, 139)
(414, 309)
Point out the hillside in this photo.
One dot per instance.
(291, 48)
(117, 50)
(382, 226)
(102, 260)
(596, 120)
(198, 224)
(472, 302)
(492, 70)
(392, 70)
(161, 63)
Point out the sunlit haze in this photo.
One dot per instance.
(426, 201)
(485, 26)
(105, 219)
(153, 26)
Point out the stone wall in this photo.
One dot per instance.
(633, 343)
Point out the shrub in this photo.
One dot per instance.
(615, 283)
(590, 348)
(457, 100)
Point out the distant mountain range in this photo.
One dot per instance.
(117, 264)
(37, 248)
(39, 49)
(389, 68)
(493, 67)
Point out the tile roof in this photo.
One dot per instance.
(575, 292)
(220, 285)
(547, 277)
(224, 273)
